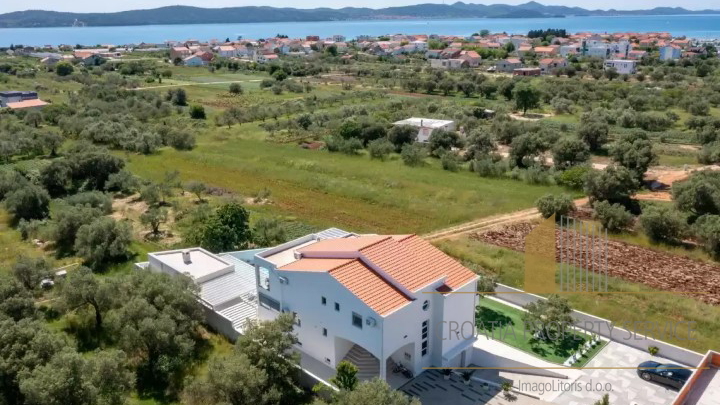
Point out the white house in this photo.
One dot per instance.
(194, 60)
(670, 52)
(426, 126)
(227, 51)
(623, 66)
(375, 300)
(448, 63)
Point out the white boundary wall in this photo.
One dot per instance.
(603, 328)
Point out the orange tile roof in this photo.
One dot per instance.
(315, 265)
(370, 287)
(342, 244)
(26, 104)
(407, 260)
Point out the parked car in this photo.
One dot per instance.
(667, 374)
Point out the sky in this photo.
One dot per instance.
(110, 6)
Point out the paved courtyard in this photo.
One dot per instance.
(432, 388)
(627, 387)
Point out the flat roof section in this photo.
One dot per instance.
(201, 267)
(424, 122)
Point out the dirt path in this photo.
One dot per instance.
(489, 222)
(193, 84)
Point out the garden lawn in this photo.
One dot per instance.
(505, 323)
(332, 189)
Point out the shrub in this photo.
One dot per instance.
(197, 112)
(557, 205)
(663, 224)
(94, 199)
(653, 350)
(707, 230)
(613, 217)
(380, 148)
(450, 161)
(413, 154)
(573, 177)
(235, 88)
(29, 202)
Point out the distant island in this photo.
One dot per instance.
(251, 14)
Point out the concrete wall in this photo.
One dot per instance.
(603, 326)
(220, 324)
(483, 358)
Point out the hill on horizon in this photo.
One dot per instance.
(248, 14)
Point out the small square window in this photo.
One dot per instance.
(323, 300)
(337, 306)
(324, 332)
(357, 320)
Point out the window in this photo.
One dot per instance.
(297, 319)
(324, 331)
(337, 307)
(424, 330)
(323, 300)
(426, 305)
(268, 302)
(357, 320)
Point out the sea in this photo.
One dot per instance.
(692, 26)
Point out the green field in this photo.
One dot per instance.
(354, 192)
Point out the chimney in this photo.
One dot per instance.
(186, 256)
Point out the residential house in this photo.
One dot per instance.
(528, 71)
(266, 58)
(550, 66)
(17, 100)
(636, 54)
(547, 51)
(179, 52)
(419, 45)
(227, 51)
(471, 57)
(670, 52)
(426, 126)
(622, 66)
(338, 38)
(448, 63)
(375, 300)
(508, 65)
(194, 60)
(523, 50)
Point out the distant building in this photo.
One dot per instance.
(426, 126)
(193, 60)
(17, 100)
(550, 66)
(508, 65)
(448, 63)
(623, 66)
(529, 71)
(670, 52)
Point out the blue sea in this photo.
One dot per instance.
(694, 26)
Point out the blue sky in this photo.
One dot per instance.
(106, 6)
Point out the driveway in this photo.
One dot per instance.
(627, 388)
(431, 388)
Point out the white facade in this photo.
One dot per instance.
(624, 67)
(426, 126)
(339, 311)
(670, 52)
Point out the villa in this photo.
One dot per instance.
(375, 300)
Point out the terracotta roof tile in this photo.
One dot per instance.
(370, 287)
(315, 265)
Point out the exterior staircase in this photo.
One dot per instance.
(367, 364)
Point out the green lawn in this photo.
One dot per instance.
(505, 323)
(331, 189)
(621, 309)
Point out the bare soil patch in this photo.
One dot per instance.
(656, 269)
